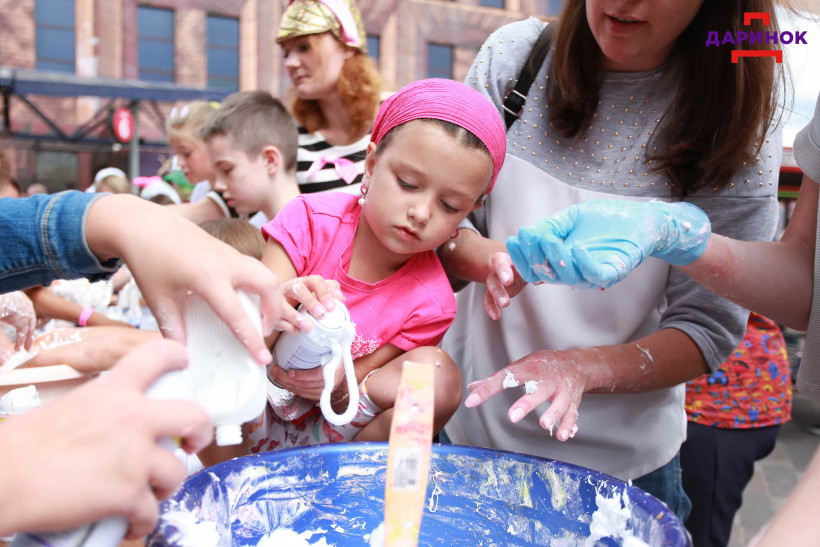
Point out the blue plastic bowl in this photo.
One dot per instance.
(475, 497)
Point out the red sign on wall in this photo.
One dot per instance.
(122, 124)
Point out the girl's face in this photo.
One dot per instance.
(421, 186)
(191, 155)
(637, 35)
(314, 63)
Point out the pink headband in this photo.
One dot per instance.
(447, 100)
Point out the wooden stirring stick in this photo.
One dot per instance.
(408, 458)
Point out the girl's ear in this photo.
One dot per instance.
(369, 161)
(272, 157)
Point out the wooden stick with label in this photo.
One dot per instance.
(408, 458)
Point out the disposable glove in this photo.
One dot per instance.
(597, 243)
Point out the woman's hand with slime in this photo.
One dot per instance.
(597, 243)
(554, 376)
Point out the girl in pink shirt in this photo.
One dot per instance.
(435, 151)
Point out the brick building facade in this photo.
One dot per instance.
(404, 36)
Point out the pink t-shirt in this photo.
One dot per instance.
(411, 308)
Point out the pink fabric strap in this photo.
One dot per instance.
(350, 32)
(447, 100)
(85, 315)
(345, 168)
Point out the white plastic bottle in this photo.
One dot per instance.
(326, 344)
(227, 381)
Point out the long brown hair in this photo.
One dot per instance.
(360, 89)
(720, 111)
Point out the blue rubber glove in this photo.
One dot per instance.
(597, 243)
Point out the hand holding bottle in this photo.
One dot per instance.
(597, 243)
(316, 295)
(94, 453)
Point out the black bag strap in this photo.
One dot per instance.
(516, 98)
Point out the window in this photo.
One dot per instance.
(155, 44)
(493, 3)
(374, 47)
(439, 61)
(54, 23)
(223, 52)
(56, 169)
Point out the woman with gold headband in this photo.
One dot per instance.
(337, 89)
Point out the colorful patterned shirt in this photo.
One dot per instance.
(752, 388)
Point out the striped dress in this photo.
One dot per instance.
(313, 146)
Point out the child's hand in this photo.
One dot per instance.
(307, 384)
(316, 295)
(17, 311)
(502, 284)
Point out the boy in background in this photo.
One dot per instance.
(252, 141)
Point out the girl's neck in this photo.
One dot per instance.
(370, 261)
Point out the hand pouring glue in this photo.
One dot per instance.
(326, 344)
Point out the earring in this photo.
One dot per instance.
(362, 199)
(455, 234)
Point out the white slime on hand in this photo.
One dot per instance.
(509, 380)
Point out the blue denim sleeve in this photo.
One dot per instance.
(42, 238)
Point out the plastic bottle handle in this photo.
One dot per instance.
(329, 375)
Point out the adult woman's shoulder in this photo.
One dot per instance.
(500, 59)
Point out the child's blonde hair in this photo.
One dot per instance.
(190, 117)
(239, 234)
(118, 184)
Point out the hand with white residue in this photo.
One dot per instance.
(17, 311)
(552, 376)
(503, 284)
(597, 243)
(561, 378)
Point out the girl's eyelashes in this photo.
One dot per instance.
(449, 208)
(444, 205)
(405, 185)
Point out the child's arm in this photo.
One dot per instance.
(472, 257)
(48, 304)
(98, 352)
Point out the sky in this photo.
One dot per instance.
(804, 65)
